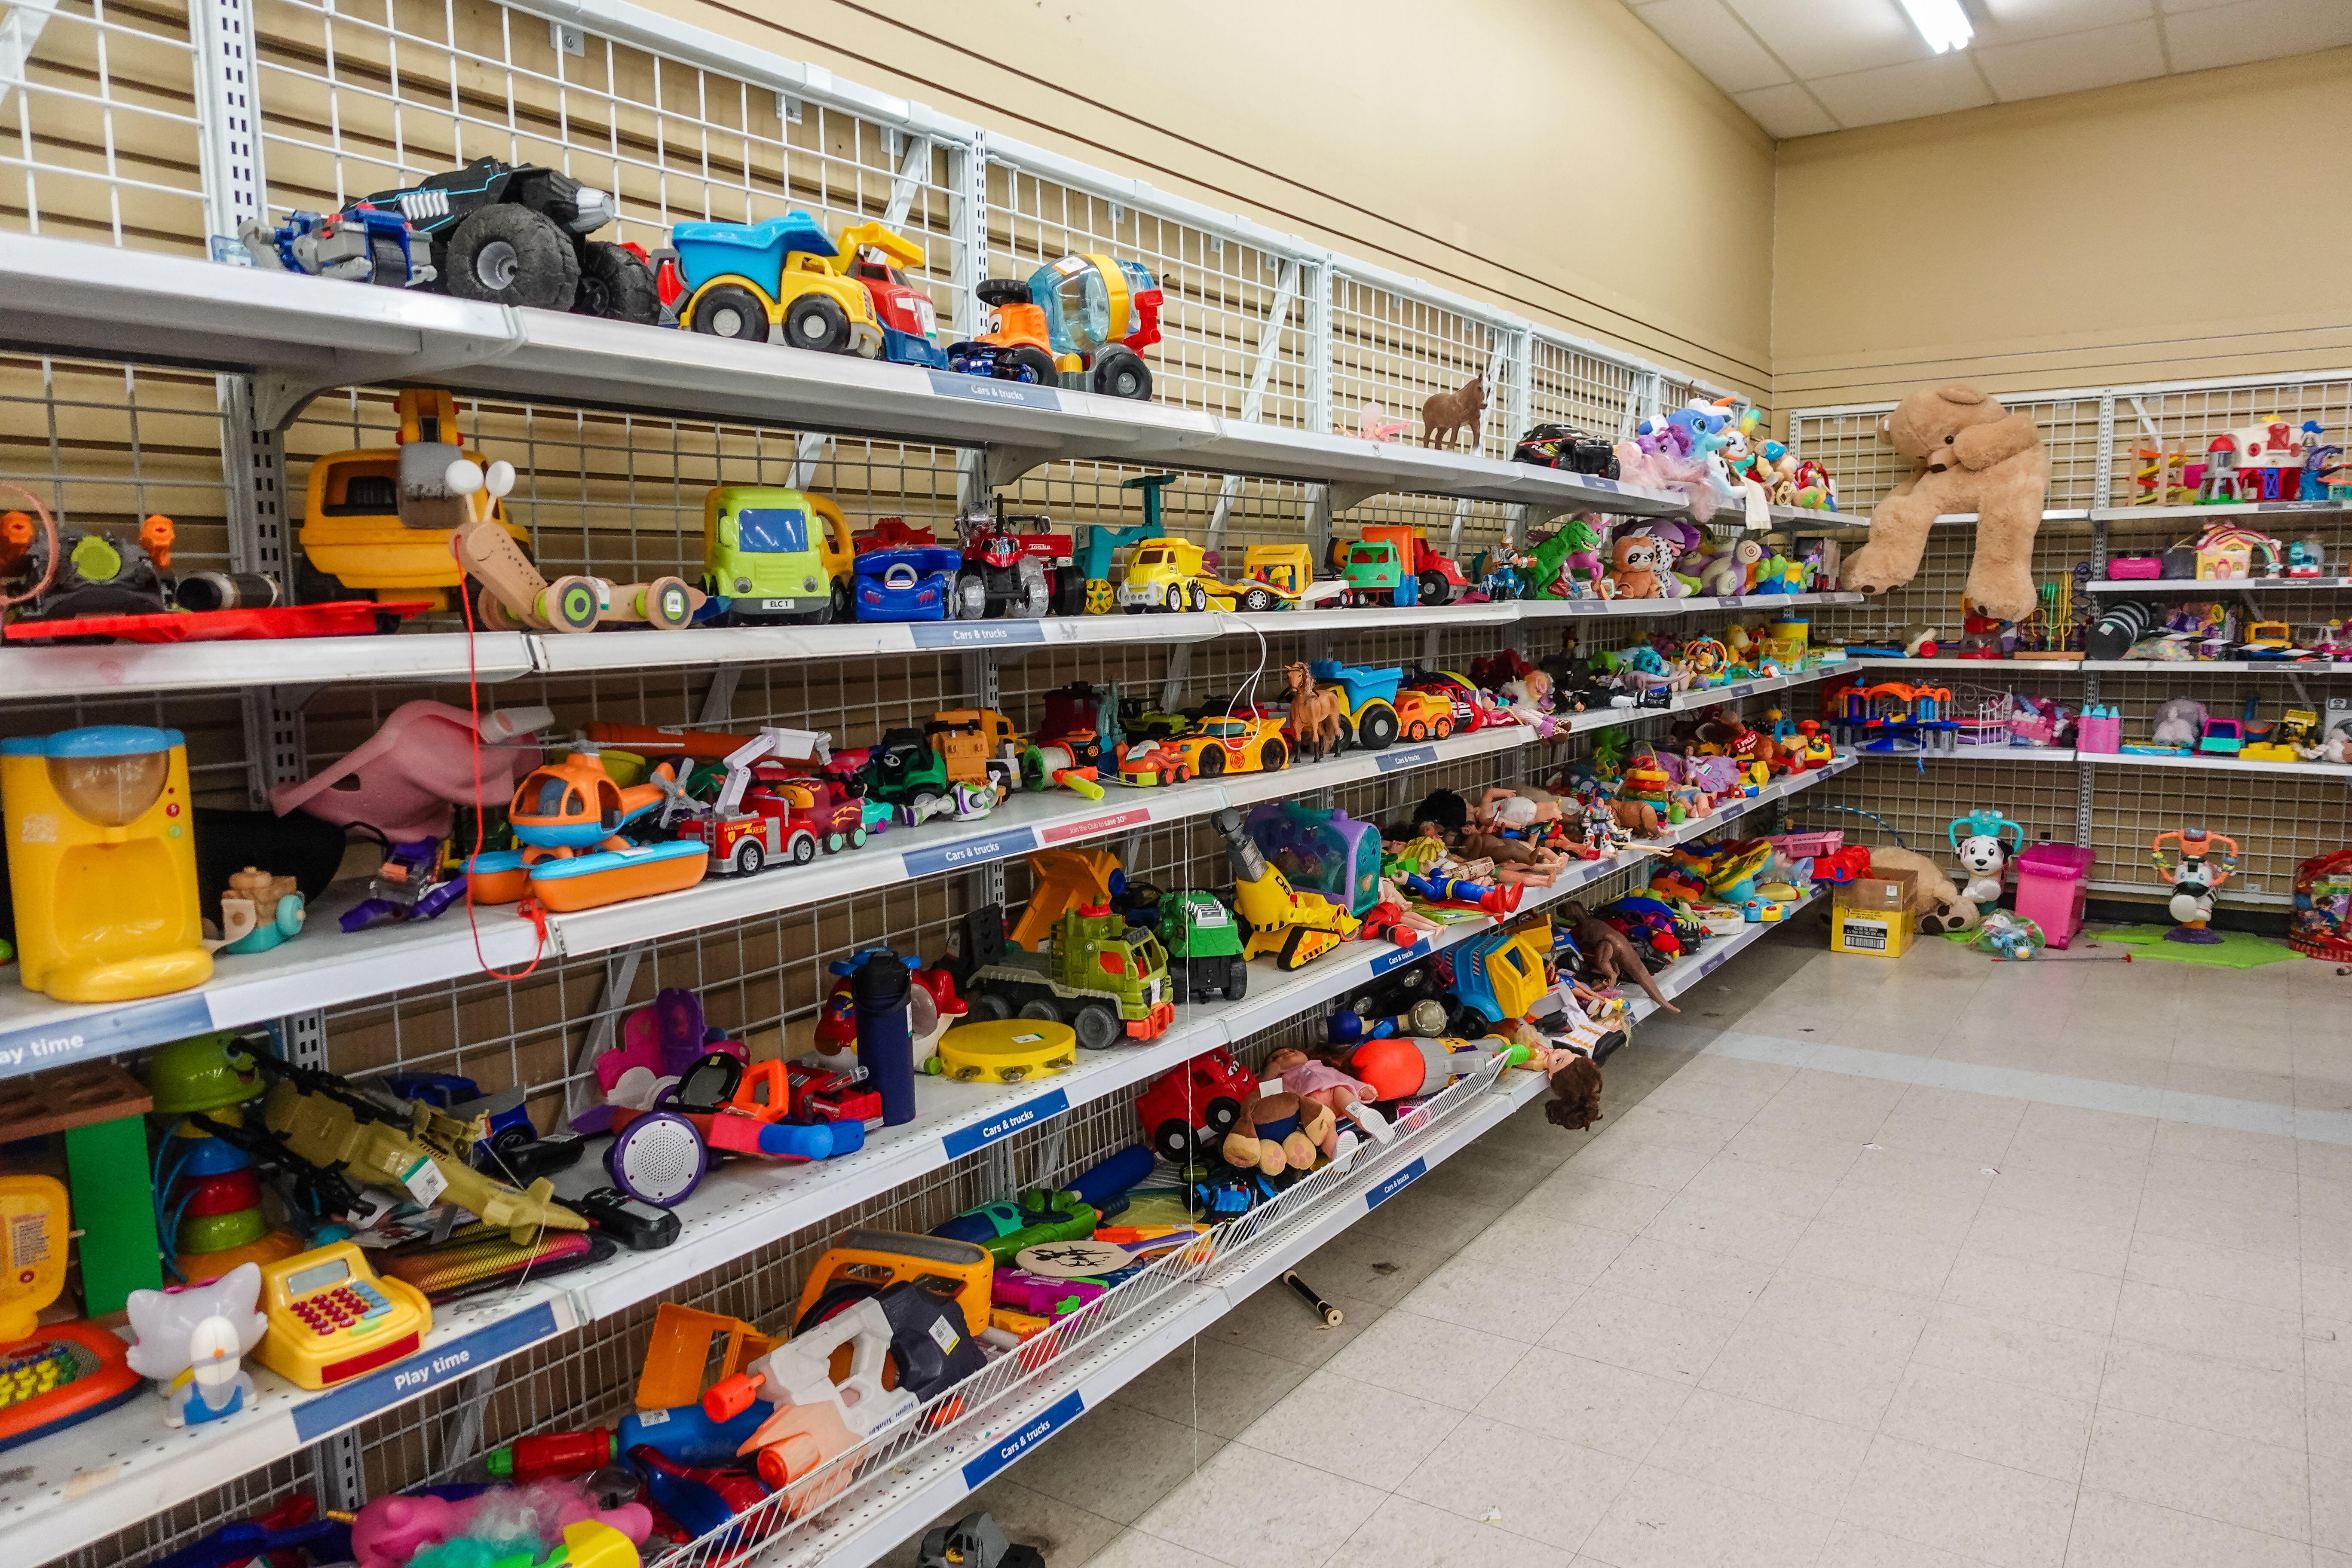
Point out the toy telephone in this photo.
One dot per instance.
(331, 1319)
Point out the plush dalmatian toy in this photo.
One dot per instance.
(1976, 839)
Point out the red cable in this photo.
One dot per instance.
(529, 909)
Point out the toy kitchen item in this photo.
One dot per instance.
(331, 1319)
(102, 862)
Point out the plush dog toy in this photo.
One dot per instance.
(1279, 1131)
(1969, 454)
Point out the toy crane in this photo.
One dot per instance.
(811, 747)
(1295, 927)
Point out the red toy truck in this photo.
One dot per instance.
(1188, 1108)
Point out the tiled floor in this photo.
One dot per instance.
(1870, 1265)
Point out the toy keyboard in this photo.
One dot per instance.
(68, 1373)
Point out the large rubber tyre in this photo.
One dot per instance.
(970, 603)
(1172, 1140)
(1236, 979)
(616, 286)
(1376, 728)
(1179, 981)
(987, 1009)
(843, 608)
(1119, 373)
(803, 849)
(1222, 1113)
(729, 310)
(1213, 761)
(510, 255)
(1098, 1027)
(1272, 757)
(1038, 364)
(1200, 599)
(1044, 1012)
(749, 857)
(1435, 589)
(1069, 591)
(815, 322)
(1257, 601)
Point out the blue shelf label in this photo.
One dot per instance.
(1728, 601)
(1413, 757)
(1029, 1113)
(969, 852)
(1396, 1185)
(1398, 957)
(1742, 689)
(100, 1034)
(1709, 965)
(1051, 1419)
(1585, 606)
(976, 634)
(988, 389)
(427, 1369)
(1599, 482)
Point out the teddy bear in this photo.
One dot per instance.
(1970, 454)
(1281, 1131)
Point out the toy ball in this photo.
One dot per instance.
(1395, 1066)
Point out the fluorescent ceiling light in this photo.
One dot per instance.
(1942, 22)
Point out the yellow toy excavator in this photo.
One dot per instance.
(1295, 927)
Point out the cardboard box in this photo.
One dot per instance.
(1872, 915)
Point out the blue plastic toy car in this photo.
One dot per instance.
(910, 585)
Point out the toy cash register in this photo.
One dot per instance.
(331, 1319)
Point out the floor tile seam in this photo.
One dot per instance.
(2313, 1125)
(2187, 1513)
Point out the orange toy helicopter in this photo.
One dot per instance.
(573, 807)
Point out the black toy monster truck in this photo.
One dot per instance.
(517, 234)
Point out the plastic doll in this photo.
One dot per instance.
(1325, 1085)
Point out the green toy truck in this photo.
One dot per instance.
(1105, 979)
(776, 555)
(1204, 948)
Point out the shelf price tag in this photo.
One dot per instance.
(1028, 1114)
(1395, 1184)
(1051, 1419)
(969, 852)
(1411, 757)
(988, 389)
(975, 634)
(427, 1369)
(1094, 826)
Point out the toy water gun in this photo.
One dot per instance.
(815, 1418)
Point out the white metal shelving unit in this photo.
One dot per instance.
(77, 1485)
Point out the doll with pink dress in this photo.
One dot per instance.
(1327, 1086)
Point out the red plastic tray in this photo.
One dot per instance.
(343, 619)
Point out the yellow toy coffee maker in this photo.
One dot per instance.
(102, 862)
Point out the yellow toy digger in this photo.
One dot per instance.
(1295, 927)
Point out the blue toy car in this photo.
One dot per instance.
(916, 584)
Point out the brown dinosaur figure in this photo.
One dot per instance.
(1610, 953)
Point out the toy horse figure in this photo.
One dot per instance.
(193, 1342)
(1317, 729)
(1453, 411)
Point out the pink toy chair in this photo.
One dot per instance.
(408, 779)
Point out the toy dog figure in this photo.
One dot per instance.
(193, 1339)
(1984, 853)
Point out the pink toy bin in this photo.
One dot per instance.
(2053, 880)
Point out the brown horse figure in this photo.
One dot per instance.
(1455, 411)
(1319, 727)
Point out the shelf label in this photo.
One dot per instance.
(1741, 690)
(1727, 601)
(101, 1034)
(975, 634)
(988, 389)
(1028, 1114)
(1398, 957)
(1395, 1184)
(1599, 482)
(1051, 1419)
(1411, 757)
(969, 852)
(1094, 825)
(1587, 607)
(427, 1369)
(1709, 965)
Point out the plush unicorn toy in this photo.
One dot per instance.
(1984, 853)
(192, 1340)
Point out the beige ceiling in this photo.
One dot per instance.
(1802, 67)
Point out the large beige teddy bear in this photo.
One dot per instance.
(1936, 900)
(1971, 455)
